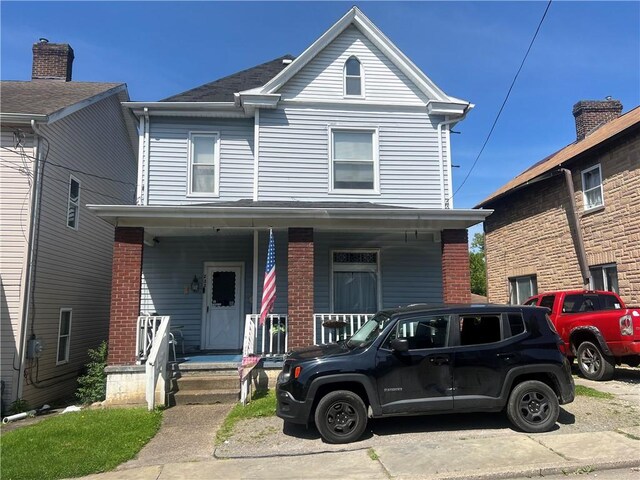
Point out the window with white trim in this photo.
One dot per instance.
(64, 336)
(354, 160)
(73, 203)
(592, 187)
(355, 281)
(521, 288)
(604, 277)
(353, 78)
(204, 163)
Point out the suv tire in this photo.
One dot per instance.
(341, 417)
(594, 364)
(533, 407)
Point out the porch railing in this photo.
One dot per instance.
(331, 327)
(270, 339)
(145, 335)
(156, 362)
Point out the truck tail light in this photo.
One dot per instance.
(626, 325)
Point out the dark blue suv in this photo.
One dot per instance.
(425, 360)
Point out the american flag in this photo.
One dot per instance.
(269, 288)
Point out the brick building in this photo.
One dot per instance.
(571, 220)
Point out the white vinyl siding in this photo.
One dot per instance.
(323, 77)
(593, 195)
(169, 160)
(64, 336)
(74, 267)
(73, 203)
(294, 153)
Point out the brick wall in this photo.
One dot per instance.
(300, 287)
(528, 234)
(52, 61)
(456, 281)
(125, 294)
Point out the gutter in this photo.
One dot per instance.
(446, 203)
(574, 222)
(23, 118)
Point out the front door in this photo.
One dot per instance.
(222, 307)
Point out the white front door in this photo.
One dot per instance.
(222, 307)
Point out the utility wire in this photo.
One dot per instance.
(72, 169)
(504, 102)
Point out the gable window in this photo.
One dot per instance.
(604, 277)
(355, 279)
(354, 160)
(521, 288)
(353, 78)
(592, 187)
(204, 163)
(64, 336)
(73, 203)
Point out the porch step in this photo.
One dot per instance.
(206, 397)
(205, 388)
(208, 382)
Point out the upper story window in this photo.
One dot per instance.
(354, 160)
(592, 187)
(353, 78)
(73, 203)
(204, 164)
(521, 288)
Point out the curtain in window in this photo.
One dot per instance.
(355, 292)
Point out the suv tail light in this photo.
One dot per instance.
(626, 325)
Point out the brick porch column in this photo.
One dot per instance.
(125, 294)
(456, 279)
(300, 287)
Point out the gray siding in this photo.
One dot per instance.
(168, 161)
(74, 266)
(294, 155)
(322, 77)
(15, 197)
(410, 267)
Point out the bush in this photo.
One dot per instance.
(92, 386)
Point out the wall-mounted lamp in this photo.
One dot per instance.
(195, 284)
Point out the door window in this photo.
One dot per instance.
(422, 332)
(223, 289)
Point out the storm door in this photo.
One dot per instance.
(222, 307)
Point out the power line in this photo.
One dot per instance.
(72, 169)
(504, 102)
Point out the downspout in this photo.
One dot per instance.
(578, 240)
(445, 203)
(142, 127)
(147, 156)
(26, 297)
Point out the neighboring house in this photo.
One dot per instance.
(572, 220)
(64, 144)
(343, 151)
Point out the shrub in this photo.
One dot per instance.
(92, 386)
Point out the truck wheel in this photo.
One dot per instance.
(593, 364)
(533, 407)
(341, 417)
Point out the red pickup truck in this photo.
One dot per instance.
(596, 328)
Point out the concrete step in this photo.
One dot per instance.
(206, 397)
(208, 382)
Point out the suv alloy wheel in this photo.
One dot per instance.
(341, 417)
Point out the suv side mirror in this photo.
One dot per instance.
(399, 344)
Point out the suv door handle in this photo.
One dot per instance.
(506, 356)
(439, 360)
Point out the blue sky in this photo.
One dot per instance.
(585, 50)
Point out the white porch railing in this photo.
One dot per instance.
(270, 339)
(145, 335)
(342, 326)
(156, 362)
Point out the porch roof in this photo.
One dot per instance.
(261, 214)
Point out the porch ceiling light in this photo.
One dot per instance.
(195, 284)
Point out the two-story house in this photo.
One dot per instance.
(64, 144)
(571, 220)
(343, 152)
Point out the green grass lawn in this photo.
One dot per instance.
(76, 444)
(263, 404)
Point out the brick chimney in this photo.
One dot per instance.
(51, 61)
(592, 114)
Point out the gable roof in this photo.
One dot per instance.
(355, 17)
(46, 97)
(223, 89)
(601, 135)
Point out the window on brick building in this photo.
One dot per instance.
(592, 187)
(521, 288)
(355, 277)
(604, 277)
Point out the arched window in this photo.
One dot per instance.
(353, 77)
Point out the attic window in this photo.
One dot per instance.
(353, 78)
